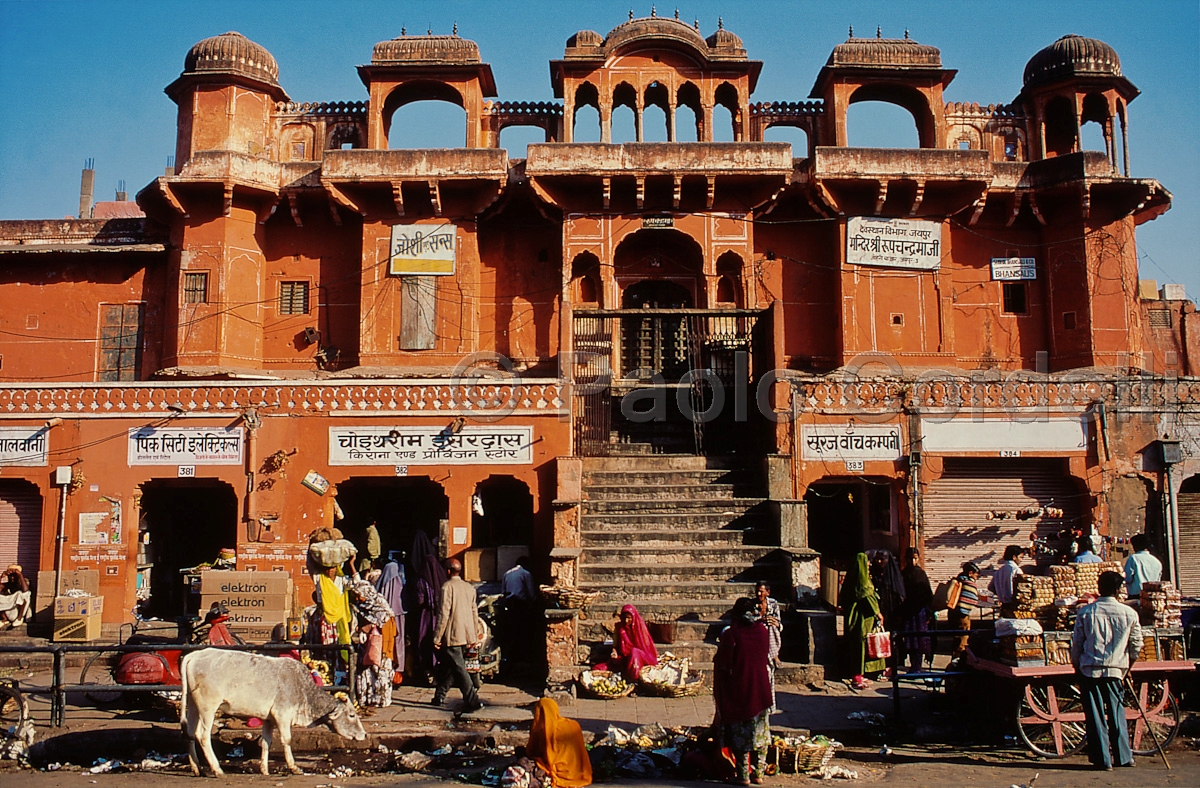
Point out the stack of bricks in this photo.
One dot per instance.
(1164, 602)
(1034, 598)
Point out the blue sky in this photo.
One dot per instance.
(84, 79)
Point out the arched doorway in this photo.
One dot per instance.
(501, 524)
(183, 523)
(399, 507)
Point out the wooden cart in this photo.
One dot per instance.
(1050, 712)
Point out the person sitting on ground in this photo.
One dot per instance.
(1141, 567)
(1002, 580)
(555, 756)
(14, 597)
(1086, 554)
(633, 648)
(1104, 645)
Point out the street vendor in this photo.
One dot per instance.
(633, 648)
(1087, 553)
(1141, 567)
(1002, 580)
(14, 597)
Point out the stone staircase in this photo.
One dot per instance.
(681, 537)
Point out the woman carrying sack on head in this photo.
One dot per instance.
(861, 617)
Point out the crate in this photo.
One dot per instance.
(77, 629)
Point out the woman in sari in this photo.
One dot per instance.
(917, 613)
(425, 601)
(377, 645)
(860, 611)
(332, 619)
(391, 585)
(633, 648)
(742, 690)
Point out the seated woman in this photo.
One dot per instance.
(633, 648)
(555, 755)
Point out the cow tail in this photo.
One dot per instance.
(184, 690)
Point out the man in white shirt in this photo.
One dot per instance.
(1141, 567)
(1002, 580)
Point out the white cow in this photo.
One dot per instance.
(278, 691)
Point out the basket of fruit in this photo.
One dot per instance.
(670, 678)
(605, 684)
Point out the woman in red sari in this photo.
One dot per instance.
(633, 648)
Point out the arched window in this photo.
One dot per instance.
(797, 136)
(880, 124)
(689, 115)
(586, 123)
(1059, 124)
(654, 113)
(345, 135)
(517, 139)
(424, 114)
(726, 114)
(1095, 124)
(624, 118)
(585, 278)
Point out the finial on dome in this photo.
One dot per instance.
(696, 24)
(429, 32)
(455, 28)
(404, 31)
(906, 34)
(852, 31)
(720, 23)
(879, 32)
(631, 15)
(676, 14)
(653, 12)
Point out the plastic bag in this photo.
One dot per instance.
(879, 645)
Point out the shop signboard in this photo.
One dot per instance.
(1005, 437)
(1013, 269)
(894, 243)
(850, 443)
(24, 446)
(474, 445)
(186, 445)
(423, 249)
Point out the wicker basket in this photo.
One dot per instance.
(692, 685)
(571, 598)
(587, 680)
(806, 757)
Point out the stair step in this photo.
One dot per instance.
(732, 506)
(660, 462)
(594, 539)
(695, 518)
(704, 596)
(591, 573)
(596, 630)
(638, 553)
(636, 492)
(666, 476)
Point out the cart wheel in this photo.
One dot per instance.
(1161, 710)
(98, 671)
(13, 708)
(1050, 720)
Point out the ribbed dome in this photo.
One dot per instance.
(585, 38)
(232, 53)
(723, 39)
(655, 28)
(885, 53)
(1072, 56)
(425, 49)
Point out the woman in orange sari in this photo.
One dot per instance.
(555, 755)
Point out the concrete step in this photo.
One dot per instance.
(703, 596)
(696, 630)
(732, 507)
(698, 519)
(659, 538)
(594, 572)
(637, 492)
(660, 462)
(667, 476)
(644, 553)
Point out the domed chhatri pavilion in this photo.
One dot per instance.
(660, 351)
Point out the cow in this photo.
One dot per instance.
(279, 691)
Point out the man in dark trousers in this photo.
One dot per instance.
(458, 626)
(1106, 642)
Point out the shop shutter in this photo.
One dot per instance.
(956, 505)
(20, 528)
(1189, 544)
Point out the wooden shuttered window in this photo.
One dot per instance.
(293, 298)
(121, 338)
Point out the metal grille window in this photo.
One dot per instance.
(293, 298)
(195, 288)
(1160, 318)
(121, 330)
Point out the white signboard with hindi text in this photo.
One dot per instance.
(186, 446)
(423, 249)
(407, 446)
(1010, 269)
(893, 243)
(24, 446)
(1004, 437)
(846, 443)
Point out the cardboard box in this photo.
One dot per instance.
(256, 618)
(247, 603)
(77, 606)
(77, 629)
(215, 582)
(83, 579)
(254, 633)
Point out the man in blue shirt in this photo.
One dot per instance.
(1141, 567)
(1086, 554)
(1106, 642)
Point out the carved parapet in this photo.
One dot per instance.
(324, 109)
(787, 110)
(430, 397)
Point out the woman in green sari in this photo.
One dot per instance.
(860, 611)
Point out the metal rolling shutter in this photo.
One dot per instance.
(20, 528)
(1189, 544)
(955, 528)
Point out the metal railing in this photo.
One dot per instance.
(59, 686)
